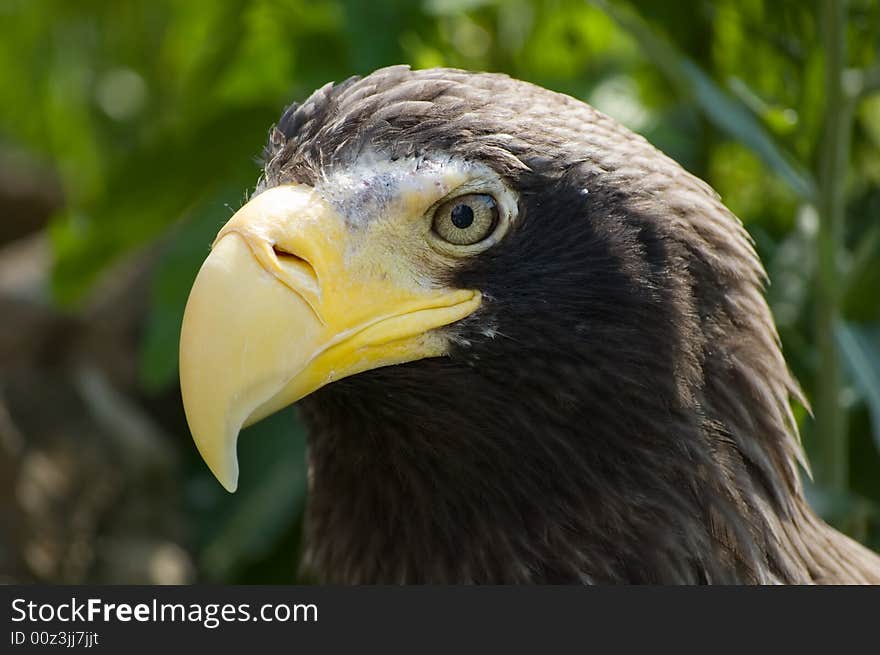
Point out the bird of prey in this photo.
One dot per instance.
(527, 346)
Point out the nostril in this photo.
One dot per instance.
(296, 269)
(287, 257)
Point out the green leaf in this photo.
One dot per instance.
(860, 346)
(723, 111)
(150, 190)
(454, 7)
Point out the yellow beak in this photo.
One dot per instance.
(290, 299)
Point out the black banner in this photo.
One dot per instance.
(417, 619)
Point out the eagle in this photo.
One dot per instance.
(527, 347)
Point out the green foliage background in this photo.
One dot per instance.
(153, 111)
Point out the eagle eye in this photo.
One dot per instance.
(466, 220)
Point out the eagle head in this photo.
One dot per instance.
(527, 346)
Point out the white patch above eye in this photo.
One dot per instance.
(374, 185)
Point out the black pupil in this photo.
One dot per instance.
(462, 216)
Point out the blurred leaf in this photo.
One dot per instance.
(451, 7)
(860, 346)
(149, 190)
(366, 20)
(727, 114)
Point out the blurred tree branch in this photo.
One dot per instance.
(831, 465)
